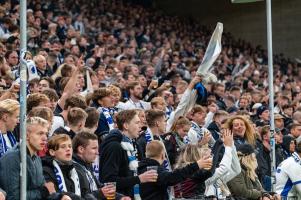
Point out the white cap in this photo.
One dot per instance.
(256, 105)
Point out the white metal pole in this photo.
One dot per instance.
(271, 91)
(23, 82)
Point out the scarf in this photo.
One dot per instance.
(166, 163)
(149, 137)
(61, 181)
(296, 158)
(198, 130)
(127, 145)
(108, 116)
(95, 166)
(90, 178)
(3, 146)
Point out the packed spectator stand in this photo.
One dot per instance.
(115, 109)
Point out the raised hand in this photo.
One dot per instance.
(228, 138)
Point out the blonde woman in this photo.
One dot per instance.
(243, 131)
(194, 186)
(246, 185)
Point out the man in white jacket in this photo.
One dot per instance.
(288, 176)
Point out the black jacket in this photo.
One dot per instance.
(49, 174)
(81, 167)
(158, 190)
(63, 130)
(114, 164)
(213, 128)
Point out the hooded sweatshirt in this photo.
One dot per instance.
(114, 164)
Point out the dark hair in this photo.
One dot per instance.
(93, 116)
(153, 115)
(125, 116)
(82, 139)
(75, 101)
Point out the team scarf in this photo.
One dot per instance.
(150, 137)
(127, 145)
(168, 112)
(198, 130)
(108, 116)
(95, 166)
(296, 158)
(166, 163)
(90, 178)
(3, 146)
(61, 181)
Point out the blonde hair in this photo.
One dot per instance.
(157, 100)
(250, 135)
(10, 106)
(115, 91)
(190, 154)
(36, 121)
(250, 163)
(182, 121)
(154, 149)
(43, 112)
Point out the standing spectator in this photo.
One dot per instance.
(287, 176)
(246, 184)
(117, 159)
(135, 99)
(155, 156)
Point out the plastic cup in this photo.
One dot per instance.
(112, 186)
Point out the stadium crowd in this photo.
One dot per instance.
(115, 109)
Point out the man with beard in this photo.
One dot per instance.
(135, 98)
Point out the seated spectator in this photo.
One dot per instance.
(155, 156)
(59, 169)
(85, 147)
(9, 112)
(37, 189)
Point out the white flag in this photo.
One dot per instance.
(89, 82)
(212, 52)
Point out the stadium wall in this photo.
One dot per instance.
(246, 21)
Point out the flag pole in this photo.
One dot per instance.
(271, 86)
(23, 80)
(271, 91)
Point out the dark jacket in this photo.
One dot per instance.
(141, 145)
(213, 128)
(82, 167)
(10, 176)
(49, 174)
(114, 164)
(158, 190)
(243, 188)
(103, 127)
(65, 130)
